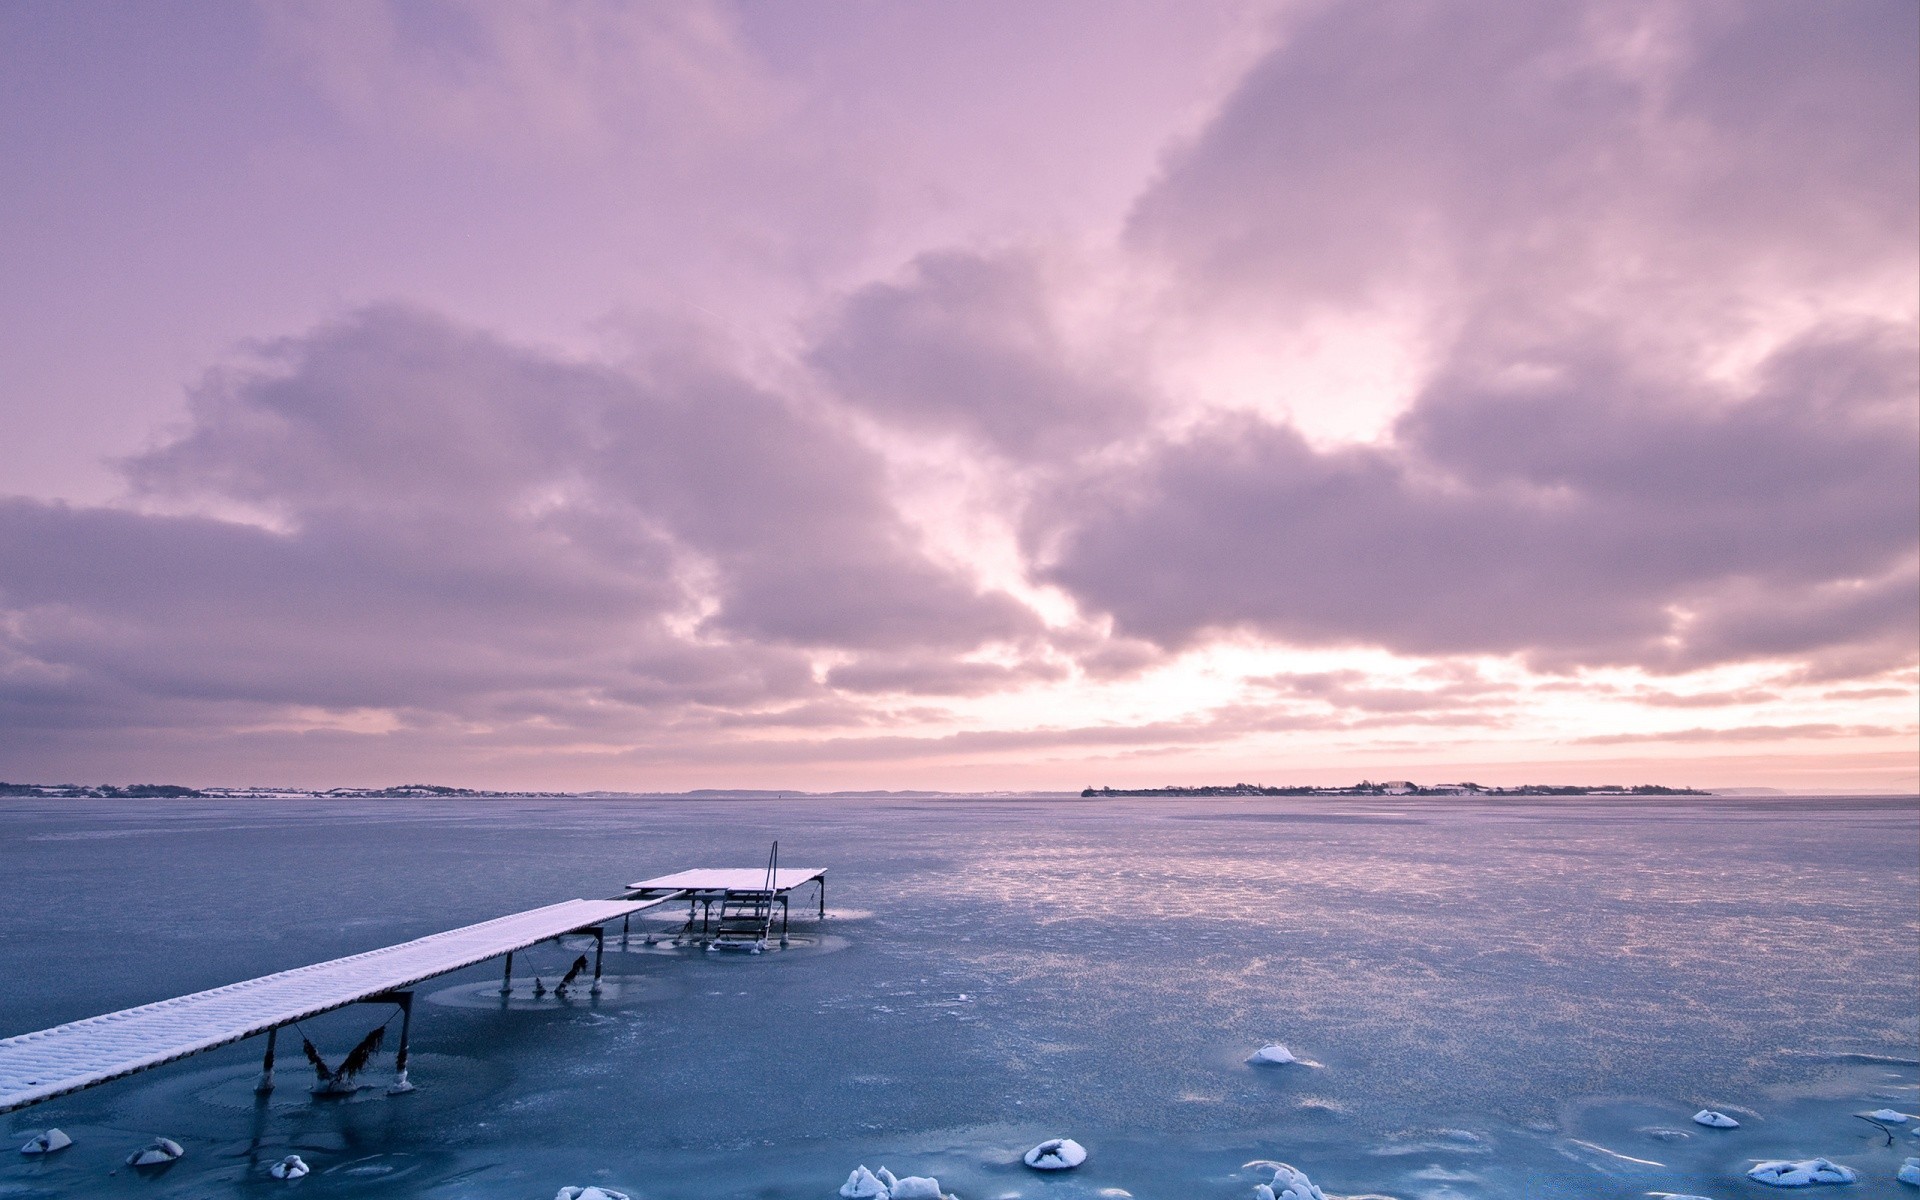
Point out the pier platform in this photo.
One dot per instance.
(67, 1058)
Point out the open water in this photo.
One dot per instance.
(1518, 999)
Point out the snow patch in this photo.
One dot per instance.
(1056, 1154)
(1890, 1116)
(1272, 1054)
(588, 1193)
(290, 1167)
(1289, 1183)
(156, 1153)
(1804, 1173)
(1714, 1120)
(883, 1184)
(46, 1143)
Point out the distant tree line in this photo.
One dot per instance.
(133, 791)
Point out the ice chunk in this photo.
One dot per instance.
(1291, 1183)
(1714, 1120)
(46, 1143)
(588, 1193)
(887, 1177)
(1272, 1053)
(1890, 1116)
(1056, 1154)
(1262, 1192)
(155, 1153)
(915, 1187)
(290, 1167)
(1909, 1172)
(863, 1184)
(1807, 1171)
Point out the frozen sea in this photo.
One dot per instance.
(1519, 999)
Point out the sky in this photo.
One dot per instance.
(978, 396)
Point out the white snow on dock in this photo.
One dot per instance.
(729, 879)
(53, 1062)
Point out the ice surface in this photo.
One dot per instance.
(1055, 1154)
(1714, 1120)
(1802, 1173)
(46, 1142)
(1486, 983)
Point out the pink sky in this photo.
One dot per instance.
(964, 396)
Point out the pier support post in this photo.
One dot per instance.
(599, 948)
(266, 1064)
(506, 981)
(823, 897)
(400, 1084)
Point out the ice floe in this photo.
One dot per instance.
(1890, 1116)
(1272, 1054)
(1289, 1183)
(46, 1143)
(863, 1184)
(1909, 1172)
(588, 1193)
(1714, 1120)
(156, 1153)
(290, 1167)
(1804, 1173)
(1056, 1154)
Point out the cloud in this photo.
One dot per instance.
(1358, 690)
(970, 344)
(1538, 162)
(1583, 517)
(572, 78)
(1751, 733)
(1663, 261)
(453, 528)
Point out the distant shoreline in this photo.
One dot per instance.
(1406, 788)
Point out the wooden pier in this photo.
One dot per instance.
(82, 1054)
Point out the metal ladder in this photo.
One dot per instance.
(746, 915)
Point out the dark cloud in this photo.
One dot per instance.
(1586, 516)
(1652, 431)
(1507, 154)
(969, 344)
(453, 528)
